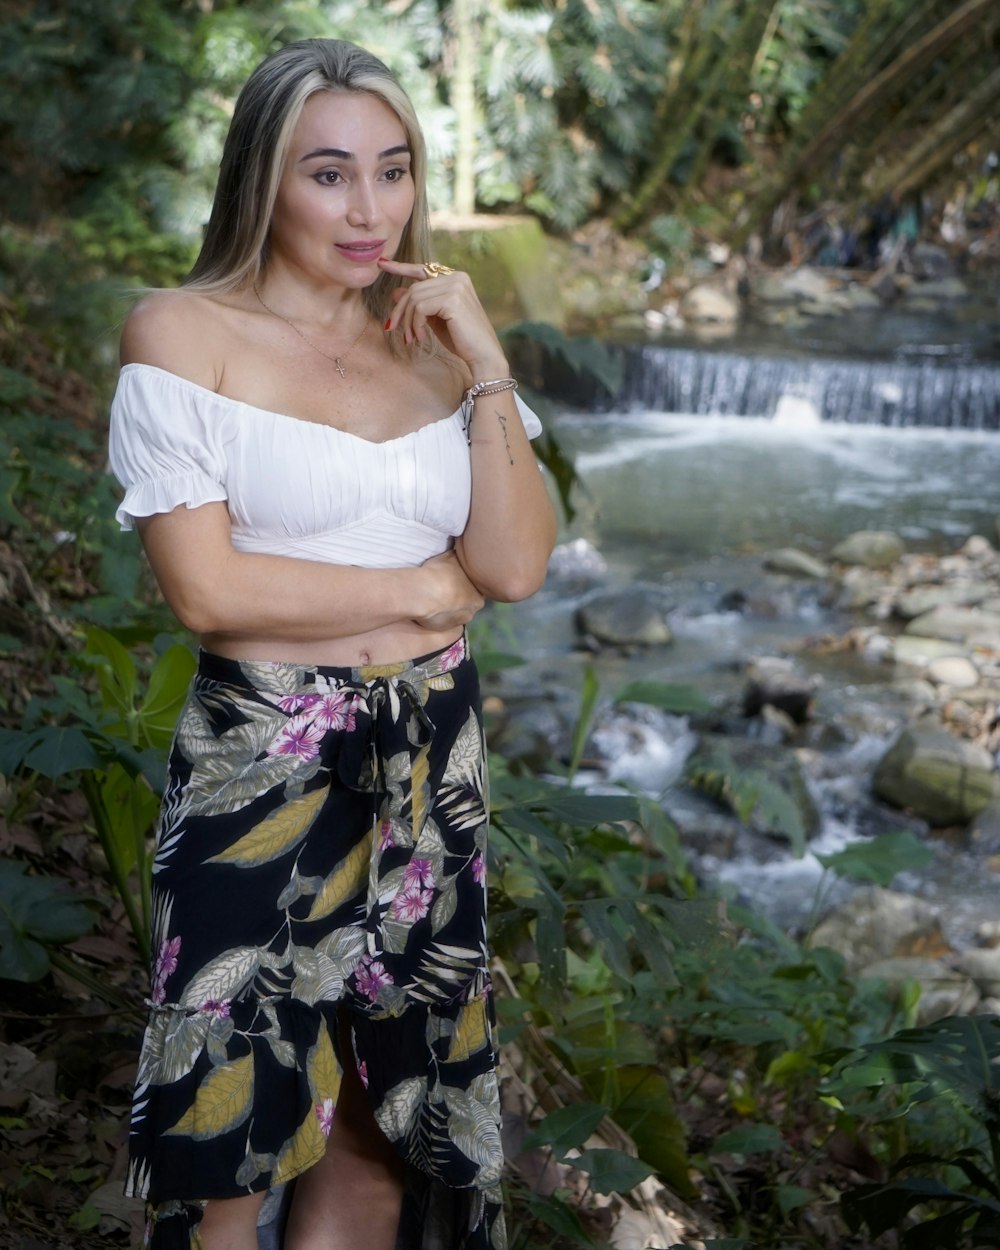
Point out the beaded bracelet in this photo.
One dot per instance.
(495, 387)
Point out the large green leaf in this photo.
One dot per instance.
(749, 1139)
(880, 859)
(60, 750)
(566, 1128)
(611, 1171)
(677, 699)
(34, 910)
(165, 695)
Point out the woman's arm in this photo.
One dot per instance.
(215, 589)
(512, 525)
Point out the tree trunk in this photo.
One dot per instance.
(463, 101)
(958, 128)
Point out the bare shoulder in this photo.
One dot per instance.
(178, 331)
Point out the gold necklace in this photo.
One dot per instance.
(338, 361)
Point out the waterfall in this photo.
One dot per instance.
(800, 391)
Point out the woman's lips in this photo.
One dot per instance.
(364, 252)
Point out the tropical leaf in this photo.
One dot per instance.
(322, 1067)
(304, 1148)
(223, 977)
(470, 1033)
(276, 834)
(567, 1127)
(611, 1171)
(398, 1109)
(222, 1102)
(473, 1126)
(347, 878)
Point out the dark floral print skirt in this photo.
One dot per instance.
(321, 850)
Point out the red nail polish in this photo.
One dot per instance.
(387, 323)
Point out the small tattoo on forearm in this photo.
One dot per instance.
(506, 441)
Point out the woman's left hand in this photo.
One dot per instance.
(448, 305)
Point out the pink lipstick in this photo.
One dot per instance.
(364, 251)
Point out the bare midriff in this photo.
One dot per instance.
(388, 645)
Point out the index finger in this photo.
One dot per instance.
(401, 269)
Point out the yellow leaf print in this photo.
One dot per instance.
(301, 1151)
(223, 1100)
(349, 876)
(470, 1031)
(323, 1069)
(276, 833)
(418, 791)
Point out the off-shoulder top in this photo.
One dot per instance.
(293, 487)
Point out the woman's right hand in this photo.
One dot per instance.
(451, 598)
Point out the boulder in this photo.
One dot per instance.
(941, 778)
(709, 303)
(879, 924)
(953, 671)
(944, 290)
(954, 623)
(796, 563)
(626, 618)
(875, 549)
(943, 991)
(861, 298)
(766, 779)
(923, 599)
(779, 683)
(983, 966)
(920, 652)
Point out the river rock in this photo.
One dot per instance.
(944, 779)
(776, 682)
(929, 261)
(919, 652)
(861, 298)
(954, 623)
(953, 671)
(983, 966)
(794, 284)
(860, 588)
(796, 563)
(943, 991)
(875, 549)
(878, 924)
(626, 618)
(729, 770)
(943, 290)
(924, 599)
(709, 303)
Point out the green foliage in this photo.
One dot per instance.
(36, 913)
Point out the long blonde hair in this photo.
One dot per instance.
(234, 252)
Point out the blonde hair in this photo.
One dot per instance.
(234, 252)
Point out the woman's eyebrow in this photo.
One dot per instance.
(340, 155)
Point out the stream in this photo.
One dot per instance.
(689, 503)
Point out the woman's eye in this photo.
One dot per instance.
(395, 175)
(328, 177)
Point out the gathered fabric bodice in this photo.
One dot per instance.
(293, 487)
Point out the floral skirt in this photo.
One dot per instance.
(321, 852)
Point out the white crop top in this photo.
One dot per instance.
(293, 487)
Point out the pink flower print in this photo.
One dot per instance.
(336, 710)
(324, 1113)
(296, 702)
(419, 871)
(386, 836)
(479, 868)
(219, 1007)
(453, 656)
(301, 737)
(412, 903)
(166, 963)
(363, 1073)
(370, 977)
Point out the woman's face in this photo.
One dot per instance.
(346, 192)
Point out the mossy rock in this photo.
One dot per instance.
(512, 262)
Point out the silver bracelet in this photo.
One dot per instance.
(494, 387)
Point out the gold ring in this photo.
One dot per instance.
(433, 270)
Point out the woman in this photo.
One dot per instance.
(320, 504)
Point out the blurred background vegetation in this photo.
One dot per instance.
(745, 1071)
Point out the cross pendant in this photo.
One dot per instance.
(340, 367)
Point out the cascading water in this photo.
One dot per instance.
(662, 378)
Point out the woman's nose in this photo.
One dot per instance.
(362, 210)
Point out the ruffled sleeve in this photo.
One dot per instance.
(161, 446)
(529, 418)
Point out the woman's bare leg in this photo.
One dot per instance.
(351, 1198)
(230, 1223)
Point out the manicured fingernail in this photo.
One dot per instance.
(388, 324)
